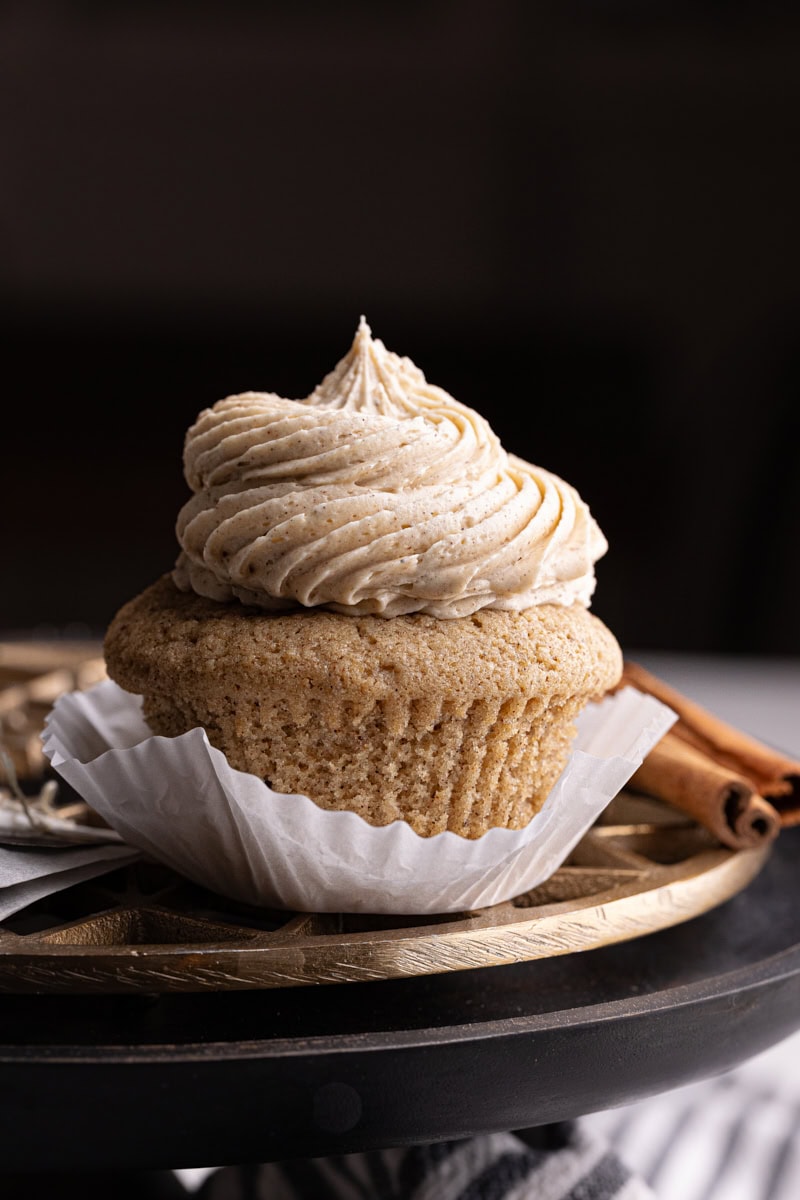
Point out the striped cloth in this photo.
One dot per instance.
(498, 1166)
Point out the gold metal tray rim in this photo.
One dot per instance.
(298, 954)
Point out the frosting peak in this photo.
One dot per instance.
(372, 379)
(379, 493)
(368, 378)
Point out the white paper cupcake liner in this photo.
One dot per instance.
(180, 802)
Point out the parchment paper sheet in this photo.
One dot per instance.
(27, 875)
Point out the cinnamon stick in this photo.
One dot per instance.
(770, 773)
(722, 801)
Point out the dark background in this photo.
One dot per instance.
(579, 218)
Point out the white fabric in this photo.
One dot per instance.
(498, 1166)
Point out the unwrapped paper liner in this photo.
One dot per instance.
(179, 801)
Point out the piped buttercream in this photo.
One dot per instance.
(379, 493)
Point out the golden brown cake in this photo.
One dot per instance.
(458, 724)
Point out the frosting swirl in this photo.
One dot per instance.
(379, 493)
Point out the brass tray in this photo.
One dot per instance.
(643, 867)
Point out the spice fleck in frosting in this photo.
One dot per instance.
(377, 494)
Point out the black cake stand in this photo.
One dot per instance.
(140, 1081)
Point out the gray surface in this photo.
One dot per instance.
(759, 695)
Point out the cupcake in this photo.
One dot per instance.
(375, 605)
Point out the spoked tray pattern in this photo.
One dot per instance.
(642, 868)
